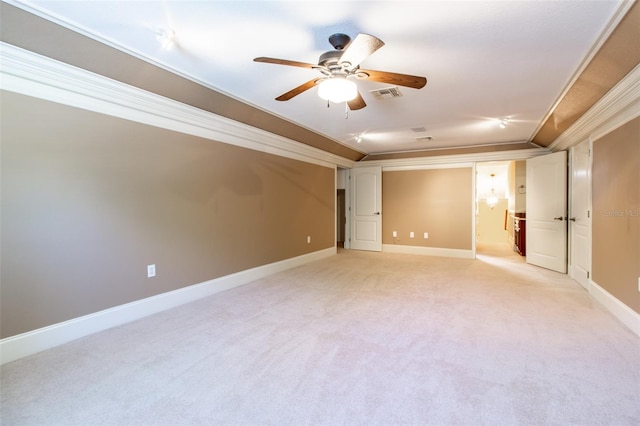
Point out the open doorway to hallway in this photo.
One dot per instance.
(501, 208)
(341, 217)
(342, 206)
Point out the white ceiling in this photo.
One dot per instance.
(483, 60)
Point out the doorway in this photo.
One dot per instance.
(342, 208)
(341, 217)
(500, 207)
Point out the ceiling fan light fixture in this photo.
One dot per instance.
(337, 89)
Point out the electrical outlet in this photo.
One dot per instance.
(638, 283)
(395, 234)
(426, 235)
(411, 234)
(151, 271)
(308, 239)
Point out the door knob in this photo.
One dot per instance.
(573, 219)
(377, 213)
(558, 218)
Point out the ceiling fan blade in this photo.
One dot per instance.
(393, 78)
(284, 62)
(360, 49)
(356, 103)
(296, 91)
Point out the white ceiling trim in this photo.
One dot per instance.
(621, 11)
(35, 75)
(456, 148)
(452, 160)
(618, 106)
(428, 167)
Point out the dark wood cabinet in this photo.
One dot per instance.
(520, 233)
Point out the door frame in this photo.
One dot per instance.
(341, 219)
(346, 185)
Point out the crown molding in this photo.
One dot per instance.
(452, 160)
(618, 15)
(31, 74)
(404, 168)
(618, 106)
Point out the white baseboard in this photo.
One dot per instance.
(628, 316)
(429, 251)
(29, 343)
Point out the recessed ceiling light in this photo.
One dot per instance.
(502, 122)
(166, 37)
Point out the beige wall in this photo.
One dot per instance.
(437, 201)
(89, 200)
(616, 213)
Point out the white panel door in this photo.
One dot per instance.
(579, 217)
(546, 237)
(366, 208)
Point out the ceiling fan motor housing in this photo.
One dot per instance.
(339, 41)
(330, 58)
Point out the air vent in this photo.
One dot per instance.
(387, 93)
(418, 129)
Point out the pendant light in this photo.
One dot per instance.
(492, 199)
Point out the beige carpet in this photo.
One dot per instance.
(358, 339)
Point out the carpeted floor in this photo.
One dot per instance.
(358, 339)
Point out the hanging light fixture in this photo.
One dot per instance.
(337, 89)
(492, 199)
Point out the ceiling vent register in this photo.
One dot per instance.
(387, 93)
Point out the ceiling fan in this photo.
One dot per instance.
(340, 66)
